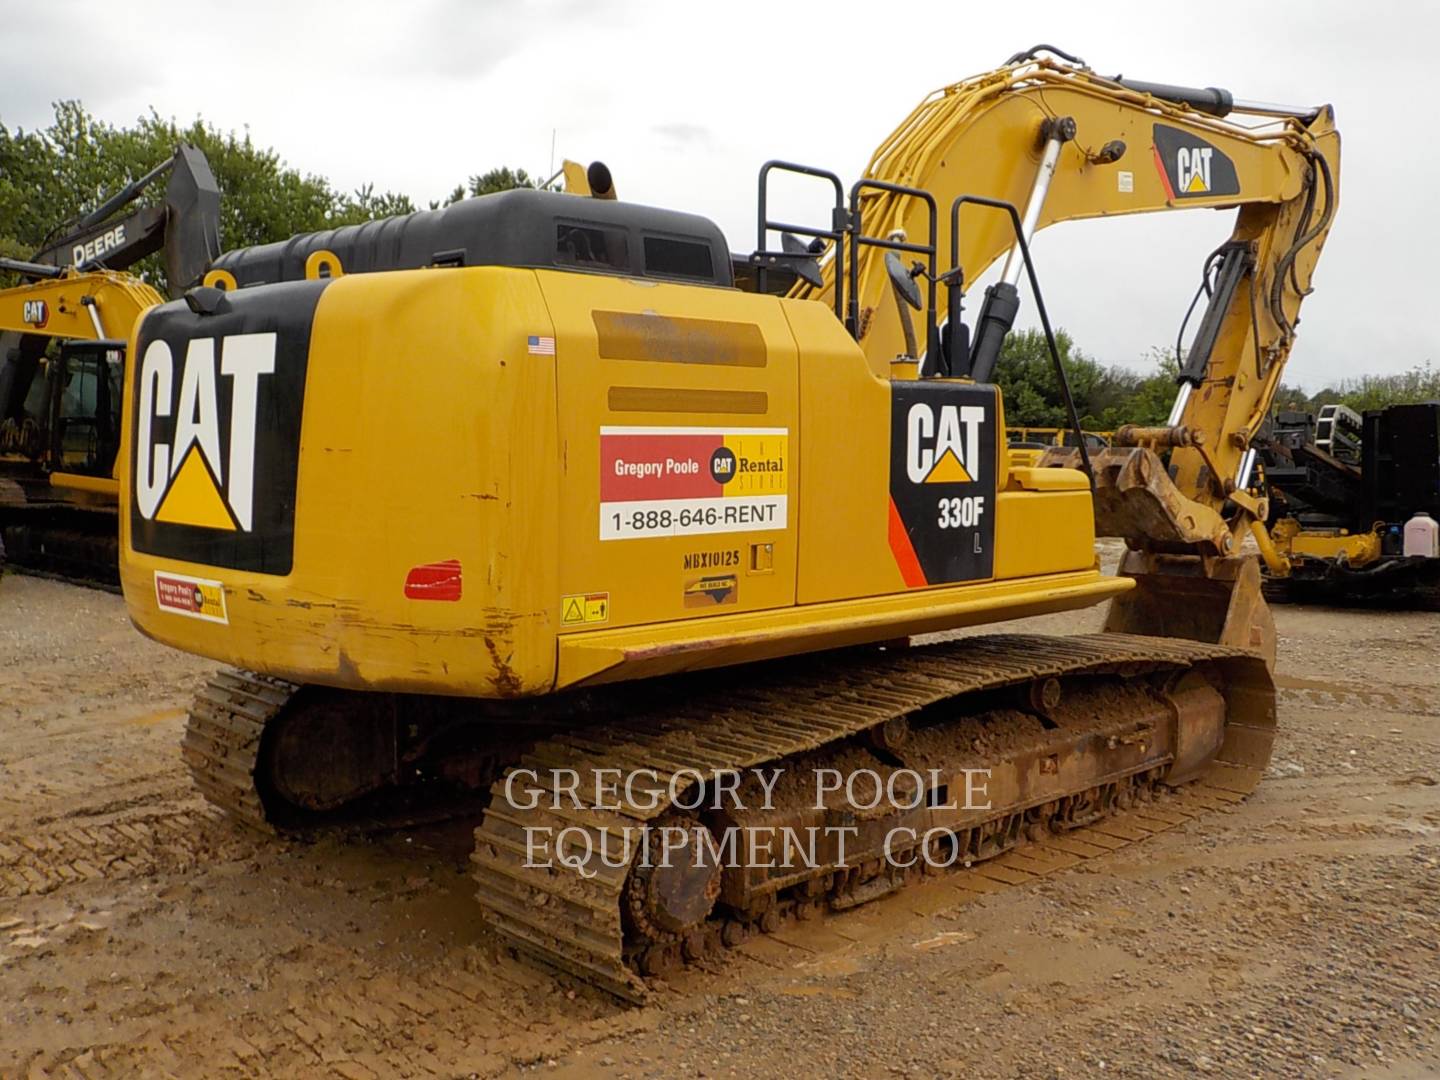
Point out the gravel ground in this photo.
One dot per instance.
(1297, 934)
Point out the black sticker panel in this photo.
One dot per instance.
(942, 481)
(1191, 167)
(215, 441)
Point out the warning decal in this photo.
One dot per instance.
(196, 597)
(584, 608)
(682, 481)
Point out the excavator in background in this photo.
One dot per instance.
(63, 334)
(524, 499)
(1341, 489)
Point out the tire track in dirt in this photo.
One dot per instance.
(474, 1015)
(1322, 694)
(148, 841)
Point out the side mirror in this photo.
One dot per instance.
(906, 293)
(804, 261)
(900, 279)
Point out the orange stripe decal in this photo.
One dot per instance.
(904, 552)
(1164, 176)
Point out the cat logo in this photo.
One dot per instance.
(187, 480)
(1192, 168)
(943, 468)
(36, 313)
(216, 403)
(943, 452)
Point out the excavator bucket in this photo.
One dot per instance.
(1211, 597)
(1214, 600)
(1135, 497)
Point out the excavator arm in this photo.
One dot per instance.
(76, 306)
(1060, 143)
(184, 224)
(74, 288)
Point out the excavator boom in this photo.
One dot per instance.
(1102, 147)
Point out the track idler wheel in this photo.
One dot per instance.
(673, 888)
(326, 749)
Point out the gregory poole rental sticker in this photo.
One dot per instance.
(678, 481)
(199, 598)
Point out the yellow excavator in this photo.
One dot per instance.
(524, 498)
(1342, 492)
(64, 329)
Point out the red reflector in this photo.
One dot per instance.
(434, 581)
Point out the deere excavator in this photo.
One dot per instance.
(63, 334)
(524, 498)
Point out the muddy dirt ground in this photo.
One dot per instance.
(1297, 934)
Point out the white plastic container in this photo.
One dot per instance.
(1422, 536)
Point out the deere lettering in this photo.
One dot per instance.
(191, 470)
(97, 246)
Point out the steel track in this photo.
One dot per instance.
(765, 714)
(573, 918)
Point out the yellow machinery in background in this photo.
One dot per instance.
(1341, 494)
(1027, 445)
(1049, 436)
(63, 333)
(61, 387)
(525, 488)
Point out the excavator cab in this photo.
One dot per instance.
(85, 400)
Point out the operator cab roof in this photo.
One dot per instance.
(512, 228)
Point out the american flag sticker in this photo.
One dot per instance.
(540, 346)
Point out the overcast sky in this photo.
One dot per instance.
(684, 101)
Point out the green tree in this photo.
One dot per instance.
(50, 177)
(491, 182)
(1105, 397)
(1419, 383)
(1142, 399)
(1025, 374)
